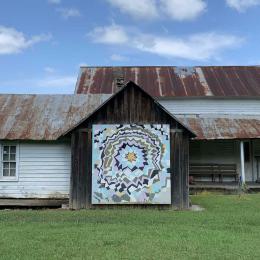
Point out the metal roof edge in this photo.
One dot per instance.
(171, 66)
(81, 70)
(208, 98)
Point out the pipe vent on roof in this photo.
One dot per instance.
(118, 76)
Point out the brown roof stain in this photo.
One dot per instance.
(47, 117)
(43, 117)
(167, 81)
(208, 127)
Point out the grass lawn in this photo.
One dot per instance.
(229, 228)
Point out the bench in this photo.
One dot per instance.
(214, 170)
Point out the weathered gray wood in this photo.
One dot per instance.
(131, 106)
(186, 173)
(176, 180)
(73, 172)
(88, 169)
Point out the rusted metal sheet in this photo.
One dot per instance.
(229, 81)
(208, 127)
(47, 117)
(43, 117)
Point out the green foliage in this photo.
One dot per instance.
(229, 228)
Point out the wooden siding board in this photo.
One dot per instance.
(74, 173)
(89, 169)
(176, 180)
(212, 106)
(40, 176)
(82, 184)
(139, 108)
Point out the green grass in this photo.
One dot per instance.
(229, 228)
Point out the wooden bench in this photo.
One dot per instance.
(214, 170)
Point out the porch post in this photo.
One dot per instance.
(242, 162)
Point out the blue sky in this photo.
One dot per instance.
(44, 42)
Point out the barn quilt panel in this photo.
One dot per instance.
(131, 164)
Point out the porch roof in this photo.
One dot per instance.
(212, 126)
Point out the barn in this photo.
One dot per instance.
(132, 135)
(126, 150)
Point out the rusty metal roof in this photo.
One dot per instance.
(43, 117)
(208, 127)
(47, 117)
(214, 81)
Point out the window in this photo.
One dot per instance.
(9, 162)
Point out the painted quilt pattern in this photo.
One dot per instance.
(131, 164)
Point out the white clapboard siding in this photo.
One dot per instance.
(214, 106)
(44, 172)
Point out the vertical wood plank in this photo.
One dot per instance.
(126, 112)
(83, 162)
(176, 170)
(75, 171)
(185, 173)
(88, 169)
(72, 173)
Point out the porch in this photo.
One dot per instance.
(225, 187)
(223, 164)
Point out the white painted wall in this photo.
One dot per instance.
(44, 172)
(214, 106)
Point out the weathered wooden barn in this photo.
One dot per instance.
(53, 145)
(124, 126)
(126, 150)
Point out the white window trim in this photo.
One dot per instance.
(9, 178)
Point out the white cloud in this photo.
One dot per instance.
(69, 12)
(242, 5)
(113, 34)
(150, 9)
(45, 85)
(54, 2)
(136, 8)
(183, 10)
(197, 47)
(117, 57)
(13, 41)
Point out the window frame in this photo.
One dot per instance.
(17, 159)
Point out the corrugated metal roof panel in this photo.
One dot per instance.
(43, 117)
(47, 117)
(208, 127)
(231, 81)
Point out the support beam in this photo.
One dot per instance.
(242, 162)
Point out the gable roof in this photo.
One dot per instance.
(168, 81)
(128, 85)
